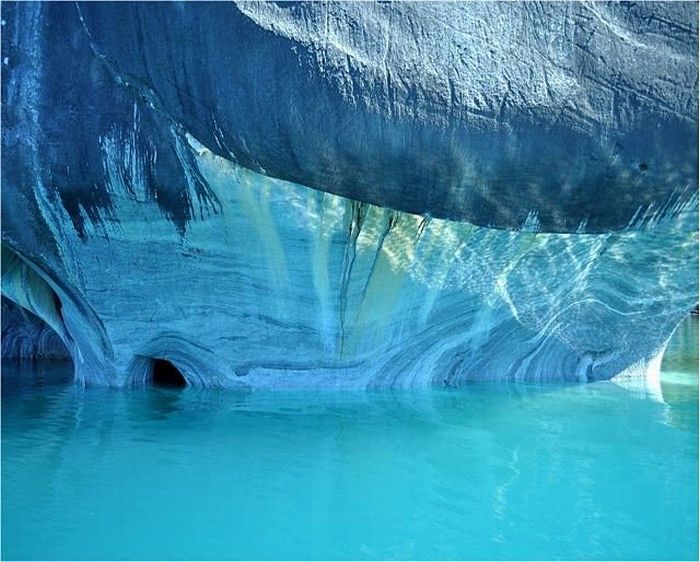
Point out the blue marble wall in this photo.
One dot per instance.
(336, 195)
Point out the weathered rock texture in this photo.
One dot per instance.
(26, 336)
(352, 194)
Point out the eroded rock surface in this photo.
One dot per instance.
(352, 195)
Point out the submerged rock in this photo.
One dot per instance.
(345, 195)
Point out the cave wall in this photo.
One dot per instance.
(352, 195)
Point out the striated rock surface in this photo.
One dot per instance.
(26, 336)
(351, 195)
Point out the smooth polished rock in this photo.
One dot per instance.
(582, 113)
(290, 287)
(352, 196)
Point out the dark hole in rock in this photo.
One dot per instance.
(167, 375)
(643, 167)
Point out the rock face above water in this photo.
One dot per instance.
(26, 336)
(352, 195)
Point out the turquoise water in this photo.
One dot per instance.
(595, 471)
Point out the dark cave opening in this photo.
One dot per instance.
(167, 375)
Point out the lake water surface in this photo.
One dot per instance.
(592, 471)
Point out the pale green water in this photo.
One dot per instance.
(489, 471)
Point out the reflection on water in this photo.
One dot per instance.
(486, 471)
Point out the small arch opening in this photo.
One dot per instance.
(167, 375)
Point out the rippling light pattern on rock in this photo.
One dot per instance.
(154, 210)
